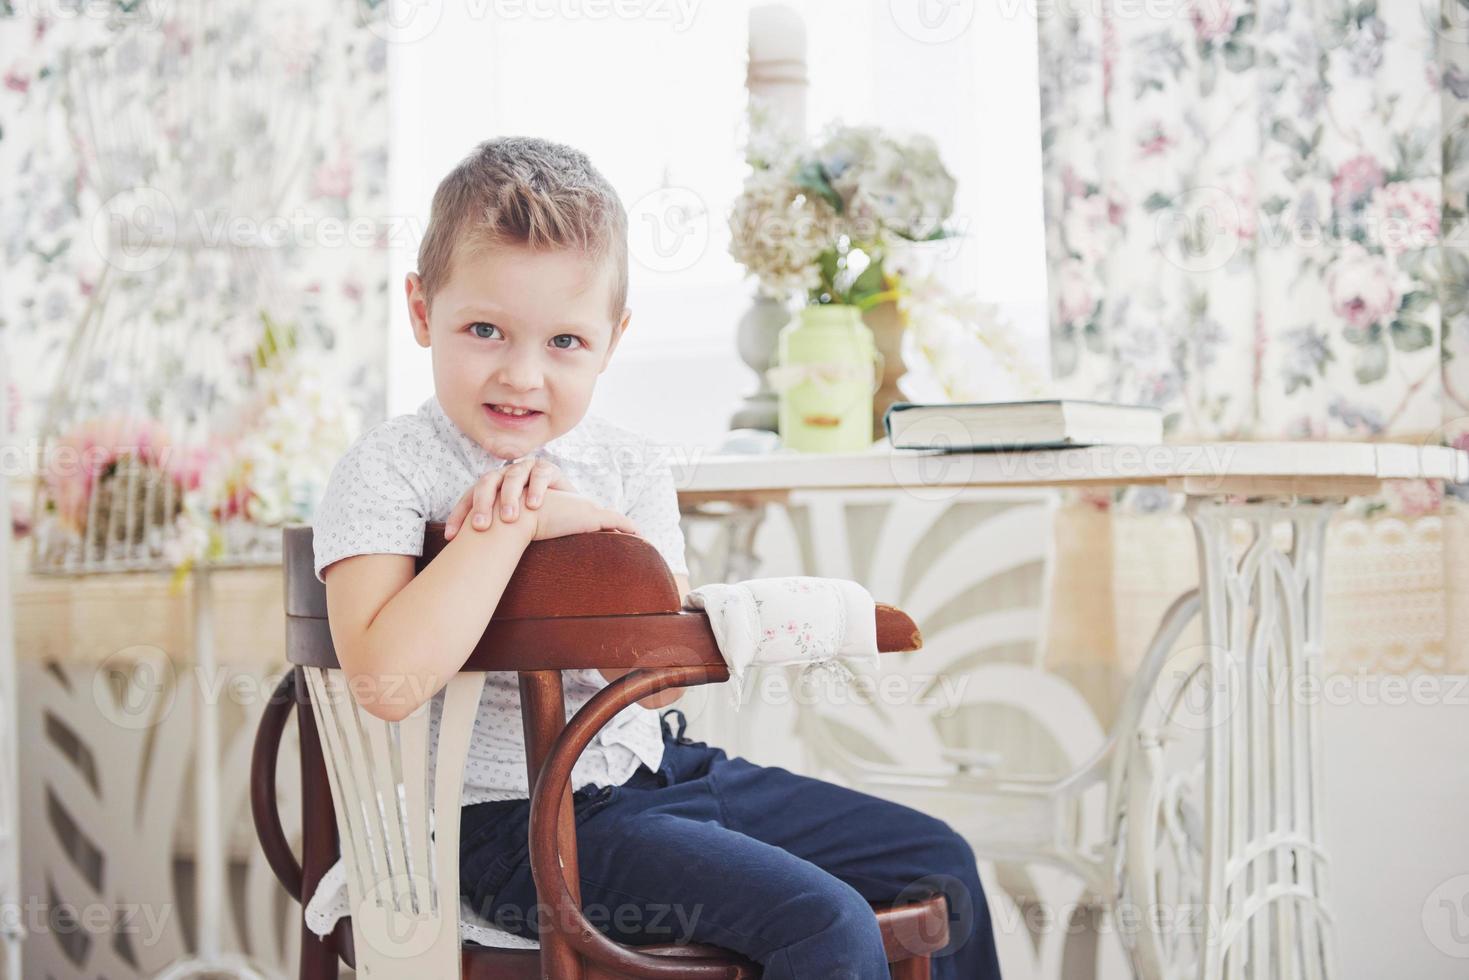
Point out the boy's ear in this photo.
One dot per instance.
(617, 331)
(417, 307)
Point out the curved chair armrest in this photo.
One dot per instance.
(545, 816)
(263, 808)
(896, 631)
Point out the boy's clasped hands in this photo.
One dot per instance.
(536, 490)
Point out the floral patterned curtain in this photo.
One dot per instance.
(332, 63)
(1256, 215)
(1256, 220)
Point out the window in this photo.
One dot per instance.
(657, 101)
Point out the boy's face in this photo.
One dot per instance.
(520, 329)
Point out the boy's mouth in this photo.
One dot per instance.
(510, 414)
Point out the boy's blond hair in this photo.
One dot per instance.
(522, 190)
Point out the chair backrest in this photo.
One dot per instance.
(397, 814)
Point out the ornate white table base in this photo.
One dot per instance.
(1212, 868)
(1265, 867)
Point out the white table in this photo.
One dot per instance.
(1261, 866)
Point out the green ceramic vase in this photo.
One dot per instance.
(826, 359)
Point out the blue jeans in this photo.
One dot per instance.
(756, 859)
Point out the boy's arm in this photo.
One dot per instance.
(399, 636)
(673, 693)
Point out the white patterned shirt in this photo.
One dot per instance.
(412, 469)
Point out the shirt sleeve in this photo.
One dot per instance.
(653, 507)
(375, 500)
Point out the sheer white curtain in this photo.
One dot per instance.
(658, 101)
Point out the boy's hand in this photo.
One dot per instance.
(568, 513)
(530, 476)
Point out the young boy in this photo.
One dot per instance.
(521, 299)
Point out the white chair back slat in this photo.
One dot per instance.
(417, 791)
(400, 851)
(384, 762)
(358, 797)
(326, 706)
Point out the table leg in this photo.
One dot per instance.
(1265, 912)
(209, 856)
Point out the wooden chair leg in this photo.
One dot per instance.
(914, 968)
(318, 836)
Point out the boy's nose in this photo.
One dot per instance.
(521, 374)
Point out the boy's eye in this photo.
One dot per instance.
(481, 330)
(565, 336)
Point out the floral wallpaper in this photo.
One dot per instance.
(248, 121)
(1256, 214)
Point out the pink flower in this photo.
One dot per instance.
(1071, 185)
(333, 179)
(190, 465)
(1242, 187)
(1356, 179)
(1415, 498)
(1116, 211)
(1213, 19)
(1074, 302)
(16, 83)
(1404, 217)
(80, 456)
(1088, 225)
(1361, 287)
(12, 406)
(1155, 141)
(1260, 346)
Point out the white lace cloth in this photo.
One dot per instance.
(823, 622)
(329, 903)
(827, 623)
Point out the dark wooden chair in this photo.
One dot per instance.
(586, 601)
